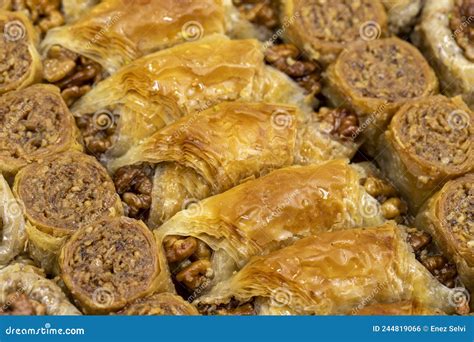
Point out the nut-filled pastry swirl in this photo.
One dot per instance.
(210, 239)
(20, 63)
(35, 123)
(206, 153)
(110, 264)
(428, 142)
(59, 195)
(160, 304)
(448, 217)
(331, 273)
(158, 89)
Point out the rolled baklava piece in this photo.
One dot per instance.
(402, 14)
(12, 225)
(43, 14)
(158, 89)
(25, 291)
(109, 264)
(374, 78)
(207, 241)
(35, 123)
(59, 195)
(448, 217)
(160, 304)
(207, 153)
(20, 63)
(403, 308)
(115, 32)
(446, 37)
(332, 273)
(428, 142)
(324, 28)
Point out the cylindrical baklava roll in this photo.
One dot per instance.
(428, 142)
(110, 264)
(446, 36)
(35, 123)
(116, 32)
(59, 195)
(12, 225)
(324, 28)
(210, 152)
(374, 78)
(158, 89)
(207, 241)
(332, 273)
(20, 63)
(25, 291)
(449, 217)
(160, 304)
(403, 308)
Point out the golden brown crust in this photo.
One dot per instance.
(20, 63)
(429, 141)
(376, 78)
(109, 264)
(399, 308)
(35, 123)
(349, 21)
(160, 304)
(447, 216)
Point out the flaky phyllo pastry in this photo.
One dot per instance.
(448, 217)
(109, 264)
(25, 291)
(20, 63)
(160, 304)
(209, 152)
(330, 273)
(12, 225)
(210, 239)
(156, 90)
(59, 195)
(35, 123)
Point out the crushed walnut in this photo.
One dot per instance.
(234, 307)
(259, 12)
(44, 14)
(18, 303)
(98, 131)
(72, 73)
(288, 59)
(134, 185)
(462, 26)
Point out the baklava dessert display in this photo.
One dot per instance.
(236, 157)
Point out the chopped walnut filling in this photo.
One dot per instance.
(73, 73)
(259, 12)
(44, 14)
(97, 130)
(234, 307)
(345, 123)
(438, 265)
(289, 60)
(134, 185)
(392, 207)
(18, 303)
(462, 26)
(189, 258)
